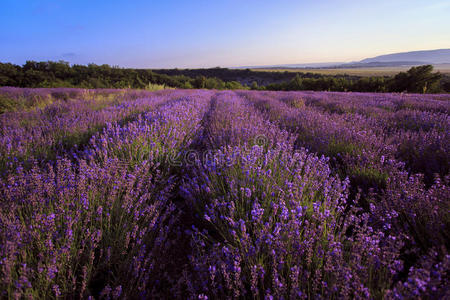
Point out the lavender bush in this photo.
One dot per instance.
(199, 194)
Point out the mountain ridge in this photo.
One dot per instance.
(437, 56)
(409, 58)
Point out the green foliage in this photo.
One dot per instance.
(155, 87)
(368, 177)
(7, 104)
(187, 85)
(61, 74)
(417, 80)
(371, 84)
(296, 83)
(234, 85)
(341, 148)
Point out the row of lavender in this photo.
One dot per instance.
(67, 122)
(381, 153)
(201, 194)
(96, 219)
(281, 223)
(273, 220)
(26, 99)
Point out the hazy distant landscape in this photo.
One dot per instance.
(360, 71)
(225, 149)
(383, 65)
(438, 56)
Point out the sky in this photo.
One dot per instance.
(211, 33)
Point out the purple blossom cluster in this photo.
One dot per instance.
(65, 126)
(307, 195)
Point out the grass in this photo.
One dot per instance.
(157, 87)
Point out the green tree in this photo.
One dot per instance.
(296, 83)
(417, 80)
(200, 82)
(9, 75)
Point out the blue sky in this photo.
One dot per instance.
(197, 33)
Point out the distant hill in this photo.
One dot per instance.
(440, 56)
(412, 58)
(383, 64)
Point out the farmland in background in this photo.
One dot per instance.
(362, 71)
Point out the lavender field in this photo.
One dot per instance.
(204, 194)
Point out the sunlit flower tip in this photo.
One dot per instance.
(56, 290)
(248, 192)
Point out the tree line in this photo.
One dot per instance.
(61, 74)
(419, 79)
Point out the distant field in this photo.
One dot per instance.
(378, 71)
